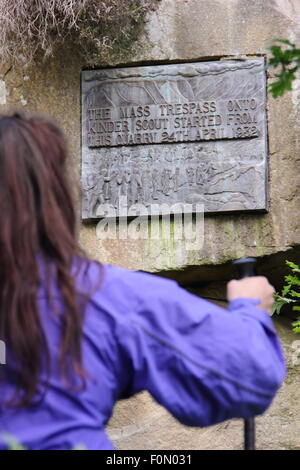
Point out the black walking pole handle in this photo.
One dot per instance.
(246, 268)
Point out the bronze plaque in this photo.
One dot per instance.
(173, 135)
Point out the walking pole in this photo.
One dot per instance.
(246, 268)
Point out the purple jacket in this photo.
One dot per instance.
(143, 332)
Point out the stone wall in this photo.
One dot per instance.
(178, 31)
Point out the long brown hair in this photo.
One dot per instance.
(37, 222)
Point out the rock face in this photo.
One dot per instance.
(192, 30)
(187, 31)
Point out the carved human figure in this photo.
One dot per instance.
(167, 180)
(125, 183)
(121, 158)
(97, 196)
(107, 180)
(155, 183)
(151, 156)
(190, 171)
(147, 187)
(115, 186)
(210, 170)
(199, 175)
(188, 154)
(177, 179)
(88, 188)
(203, 173)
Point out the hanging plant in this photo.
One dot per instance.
(31, 28)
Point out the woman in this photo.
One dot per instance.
(80, 335)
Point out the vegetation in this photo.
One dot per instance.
(286, 60)
(30, 29)
(290, 294)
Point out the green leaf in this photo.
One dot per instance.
(296, 326)
(277, 307)
(286, 300)
(293, 266)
